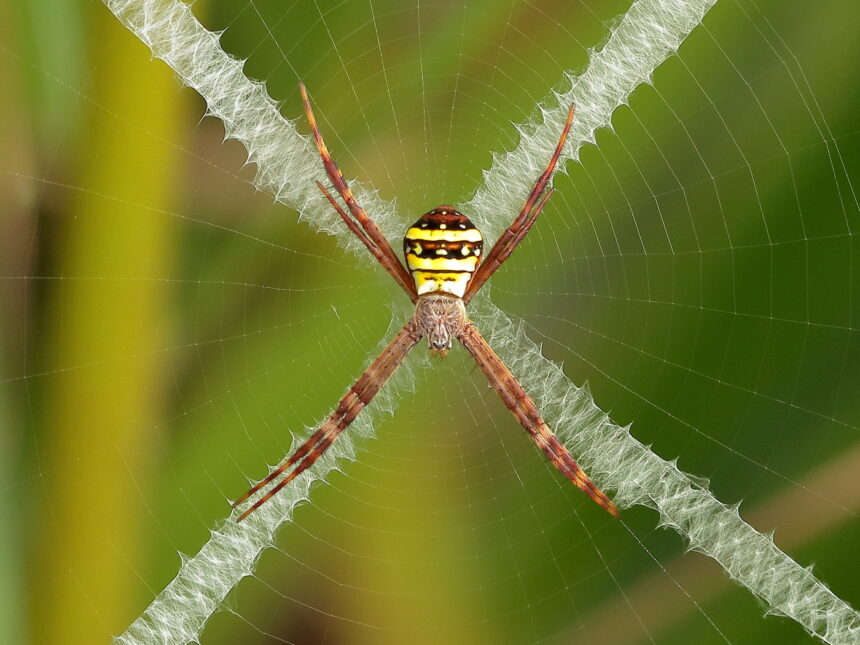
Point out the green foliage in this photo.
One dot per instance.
(729, 342)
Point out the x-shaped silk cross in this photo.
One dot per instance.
(648, 34)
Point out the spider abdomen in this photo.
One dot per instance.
(442, 251)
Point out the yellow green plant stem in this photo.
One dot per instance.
(106, 320)
(17, 222)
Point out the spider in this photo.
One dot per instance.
(443, 255)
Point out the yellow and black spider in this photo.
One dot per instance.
(443, 255)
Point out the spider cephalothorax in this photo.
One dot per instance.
(441, 318)
(446, 267)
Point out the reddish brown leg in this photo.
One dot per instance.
(384, 253)
(358, 396)
(359, 233)
(515, 233)
(518, 401)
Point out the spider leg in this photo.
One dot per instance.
(518, 401)
(384, 254)
(359, 233)
(358, 396)
(515, 233)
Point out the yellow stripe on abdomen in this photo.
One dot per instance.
(445, 234)
(459, 265)
(433, 282)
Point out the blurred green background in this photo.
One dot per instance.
(164, 325)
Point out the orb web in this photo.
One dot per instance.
(695, 267)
